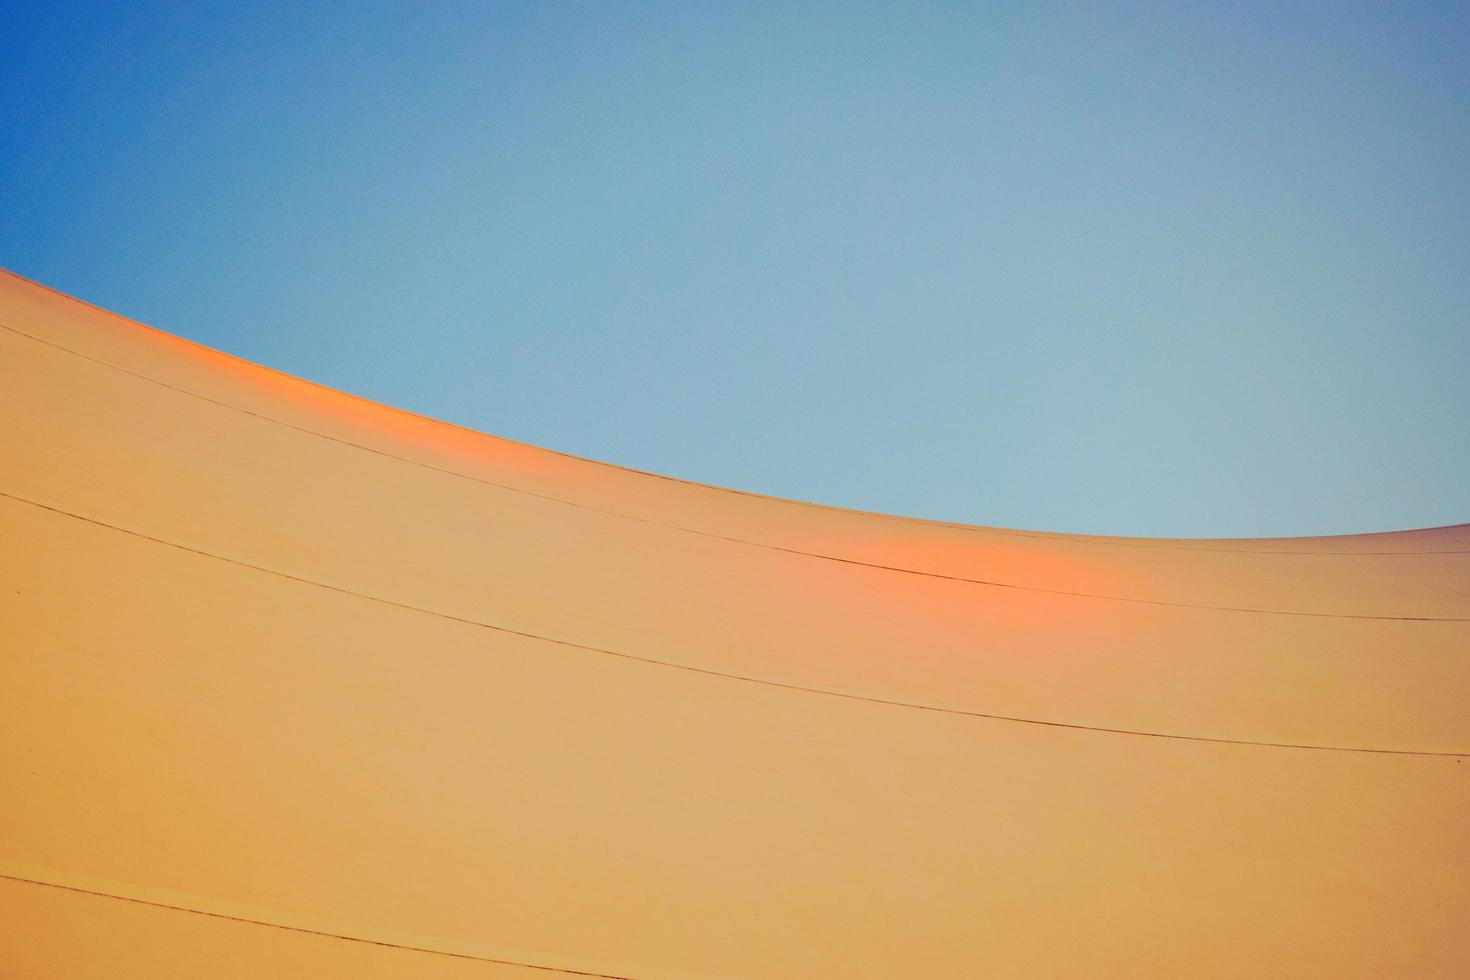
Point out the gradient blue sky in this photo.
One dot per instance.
(1162, 269)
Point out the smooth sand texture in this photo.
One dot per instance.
(298, 685)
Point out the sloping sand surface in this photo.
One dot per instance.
(293, 684)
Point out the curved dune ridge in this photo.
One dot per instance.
(299, 685)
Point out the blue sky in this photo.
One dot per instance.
(1161, 269)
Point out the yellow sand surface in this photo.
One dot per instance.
(293, 684)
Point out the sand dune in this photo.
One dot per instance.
(299, 685)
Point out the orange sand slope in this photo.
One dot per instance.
(298, 685)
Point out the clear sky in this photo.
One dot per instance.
(1162, 269)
